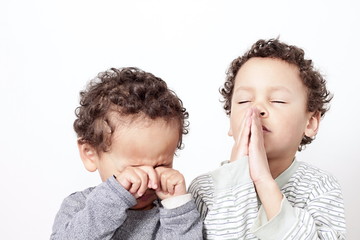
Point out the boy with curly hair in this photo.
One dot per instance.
(275, 99)
(129, 125)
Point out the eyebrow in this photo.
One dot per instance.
(272, 89)
(242, 89)
(280, 88)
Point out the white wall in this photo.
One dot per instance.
(50, 49)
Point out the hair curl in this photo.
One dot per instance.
(318, 96)
(127, 92)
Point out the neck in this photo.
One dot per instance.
(279, 165)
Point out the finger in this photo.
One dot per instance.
(170, 185)
(124, 182)
(161, 171)
(176, 179)
(245, 135)
(143, 181)
(256, 126)
(241, 145)
(152, 176)
(127, 178)
(136, 180)
(135, 183)
(245, 122)
(170, 182)
(163, 179)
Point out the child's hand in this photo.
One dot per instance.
(250, 142)
(171, 183)
(241, 145)
(138, 179)
(258, 162)
(266, 187)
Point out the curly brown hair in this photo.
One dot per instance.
(318, 96)
(126, 92)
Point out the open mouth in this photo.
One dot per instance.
(149, 194)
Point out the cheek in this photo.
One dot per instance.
(236, 120)
(110, 164)
(292, 128)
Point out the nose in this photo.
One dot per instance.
(262, 111)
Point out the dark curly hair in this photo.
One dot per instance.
(126, 92)
(318, 96)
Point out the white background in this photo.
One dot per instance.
(50, 49)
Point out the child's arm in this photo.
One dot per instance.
(179, 218)
(93, 215)
(266, 187)
(322, 218)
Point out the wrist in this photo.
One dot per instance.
(176, 201)
(163, 195)
(264, 180)
(265, 186)
(270, 195)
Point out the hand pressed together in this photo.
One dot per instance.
(259, 165)
(250, 142)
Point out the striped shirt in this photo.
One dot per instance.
(312, 206)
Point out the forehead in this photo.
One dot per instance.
(145, 141)
(274, 74)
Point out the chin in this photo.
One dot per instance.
(271, 153)
(142, 207)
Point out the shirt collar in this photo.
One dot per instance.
(284, 177)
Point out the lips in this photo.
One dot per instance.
(265, 129)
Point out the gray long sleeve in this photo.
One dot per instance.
(103, 213)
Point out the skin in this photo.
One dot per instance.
(268, 120)
(141, 158)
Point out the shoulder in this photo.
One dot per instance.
(315, 174)
(77, 200)
(72, 204)
(202, 183)
(226, 177)
(202, 189)
(309, 178)
(81, 194)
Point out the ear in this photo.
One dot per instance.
(89, 156)
(312, 125)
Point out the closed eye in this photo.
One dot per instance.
(242, 102)
(278, 101)
(163, 165)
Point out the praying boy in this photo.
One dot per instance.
(275, 99)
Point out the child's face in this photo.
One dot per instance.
(275, 88)
(141, 143)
